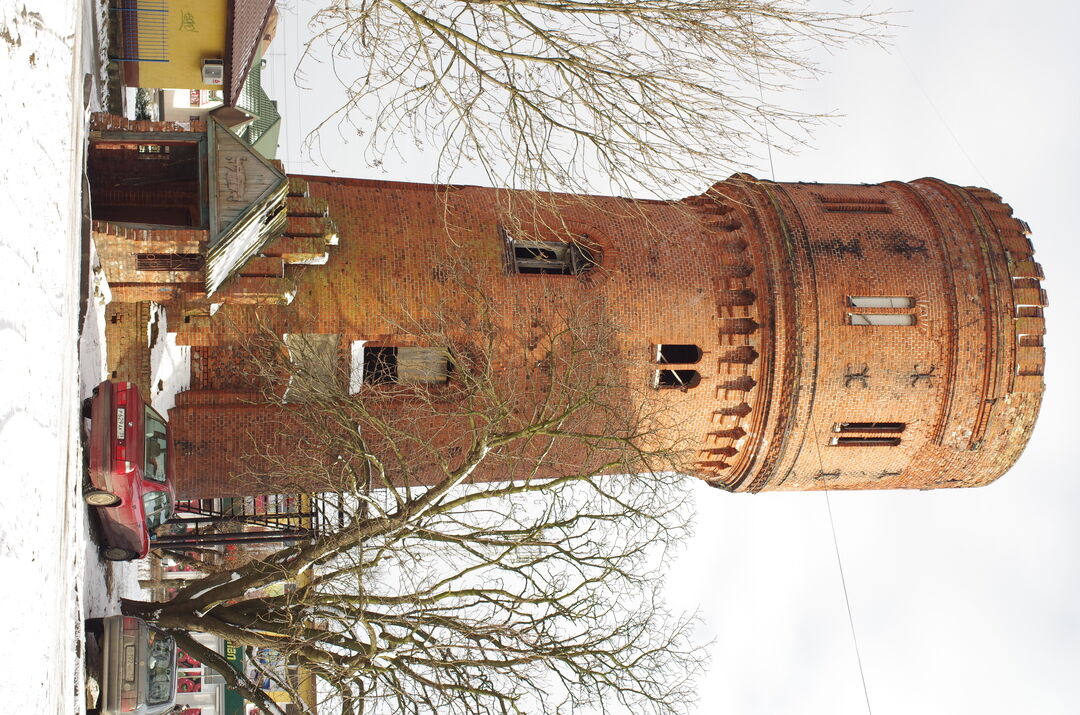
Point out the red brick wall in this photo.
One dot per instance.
(756, 274)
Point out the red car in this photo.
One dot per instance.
(129, 469)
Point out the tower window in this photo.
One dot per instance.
(854, 204)
(865, 441)
(869, 434)
(878, 427)
(682, 379)
(407, 366)
(874, 307)
(677, 354)
(881, 319)
(551, 257)
(880, 301)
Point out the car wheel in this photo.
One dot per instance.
(99, 497)
(116, 553)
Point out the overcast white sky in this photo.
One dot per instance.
(964, 601)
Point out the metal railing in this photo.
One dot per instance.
(284, 519)
(142, 29)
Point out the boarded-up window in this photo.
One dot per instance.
(422, 365)
(314, 360)
(407, 366)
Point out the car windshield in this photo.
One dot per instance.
(158, 508)
(159, 668)
(156, 446)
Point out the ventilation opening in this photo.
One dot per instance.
(1029, 311)
(865, 441)
(881, 319)
(678, 354)
(870, 427)
(684, 379)
(854, 204)
(168, 261)
(880, 301)
(1031, 341)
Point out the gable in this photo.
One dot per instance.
(247, 204)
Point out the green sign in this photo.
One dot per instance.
(234, 701)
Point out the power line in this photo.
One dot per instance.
(941, 117)
(840, 568)
(847, 600)
(761, 109)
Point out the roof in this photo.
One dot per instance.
(254, 100)
(247, 204)
(247, 19)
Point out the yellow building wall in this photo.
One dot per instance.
(195, 31)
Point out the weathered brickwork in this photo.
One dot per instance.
(807, 380)
(128, 356)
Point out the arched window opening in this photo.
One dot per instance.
(677, 354)
(682, 379)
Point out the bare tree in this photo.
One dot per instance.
(507, 530)
(544, 94)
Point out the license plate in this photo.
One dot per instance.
(129, 663)
(121, 421)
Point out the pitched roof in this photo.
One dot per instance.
(247, 19)
(247, 204)
(254, 100)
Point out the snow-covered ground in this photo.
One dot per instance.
(43, 122)
(170, 364)
(51, 77)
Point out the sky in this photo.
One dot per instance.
(962, 600)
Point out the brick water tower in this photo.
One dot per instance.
(808, 335)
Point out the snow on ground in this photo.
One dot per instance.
(170, 364)
(106, 583)
(43, 119)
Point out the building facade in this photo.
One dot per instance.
(807, 335)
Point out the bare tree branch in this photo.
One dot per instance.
(660, 94)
